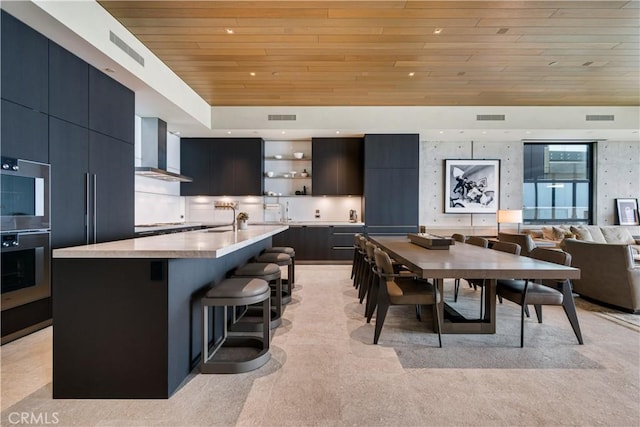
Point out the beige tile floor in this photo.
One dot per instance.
(324, 371)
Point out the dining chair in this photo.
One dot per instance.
(396, 290)
(508, 247)
(524, 240)
(456, 284)
(546, 292)
(473, 283)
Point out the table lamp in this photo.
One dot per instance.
(510, 217)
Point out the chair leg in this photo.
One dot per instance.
(456, 288)
(481, 299)
(526, 311)
(362, 290)
(383, 307)
(538, 309)
(419, 312)
(372, 300)
(522, 326)
(570, 309)
(437, 317)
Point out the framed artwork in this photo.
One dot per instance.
(471, 186)
(627, 211)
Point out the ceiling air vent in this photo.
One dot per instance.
(600, 117)
(290, 117)
(126, 48)
(490, 117)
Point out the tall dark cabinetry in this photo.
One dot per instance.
(24, 65)
(91, 186)
(222, 166)
(391, 183)
(337, 166)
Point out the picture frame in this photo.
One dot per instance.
(471, 186)
(627, 211)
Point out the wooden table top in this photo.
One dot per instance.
(465, 260)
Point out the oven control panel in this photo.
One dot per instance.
(10, 241)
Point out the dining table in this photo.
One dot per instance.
(463, 260)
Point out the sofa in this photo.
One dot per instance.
(609, 272)
(618, 234)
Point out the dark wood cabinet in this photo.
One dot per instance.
(342, 240)
(68, 86)
(391, 182)
(391, 151)
(195, 161)
(337, 166)
(92, 186)
(111, 164)
(24, 133)
(24, 64)
(222, 166)
(111, 107)
(69, 147)
(310, 243)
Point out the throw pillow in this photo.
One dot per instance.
(617, 235)
(582, 233)
(596, 233)
(547, 233)
(560, 233)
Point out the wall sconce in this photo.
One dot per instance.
(510, 217)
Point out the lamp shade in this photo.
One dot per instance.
(510, 216)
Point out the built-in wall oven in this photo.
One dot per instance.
(25, 243)
(26, 268)
(25, 195)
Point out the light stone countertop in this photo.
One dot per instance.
(209, 243)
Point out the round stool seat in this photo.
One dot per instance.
(274, 257)
(281, 249)
(238, 288)
(257, 269)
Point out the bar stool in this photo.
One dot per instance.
(292, 253)
(271, 274)
(230, 293)
(280, 259)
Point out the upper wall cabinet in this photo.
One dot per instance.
(24, 133)
(337, 166)
(25, 57)
(111, 107)
(68, 86)
(222, 166)
(385, 151)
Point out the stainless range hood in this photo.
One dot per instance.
(154, 152)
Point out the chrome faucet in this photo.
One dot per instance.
(227, 205)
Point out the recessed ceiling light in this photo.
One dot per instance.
(441, 132)
(502, 31)
(586, 64)
(252, 73)
(229, 30)
(275, 73)
(337, 132)
(283, 132)
(484, 132)
(411, 74)
(228, 132)
(437, 31)
(528, 132)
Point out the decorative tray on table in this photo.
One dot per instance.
(430, 241)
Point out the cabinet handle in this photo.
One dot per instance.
(87, 207)
(95, 211)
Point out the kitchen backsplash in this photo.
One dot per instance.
(201, 209)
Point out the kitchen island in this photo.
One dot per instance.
(126, 313)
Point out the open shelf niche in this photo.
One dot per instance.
(287, 171)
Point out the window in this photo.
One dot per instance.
(558, 183)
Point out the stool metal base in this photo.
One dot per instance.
(216, 364)
(251, 320)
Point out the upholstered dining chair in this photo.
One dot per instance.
(396, 290)
(524, 240)
(547, 292)
(511, 248)
(456, 284)
(476, 241)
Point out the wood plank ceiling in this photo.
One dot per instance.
(391, 53)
